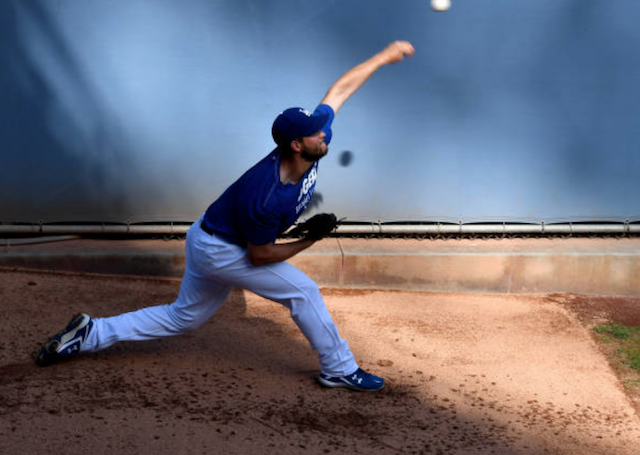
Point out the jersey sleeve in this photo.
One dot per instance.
(326, 109)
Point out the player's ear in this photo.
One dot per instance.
(296, 145)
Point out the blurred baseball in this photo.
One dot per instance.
(346, 158)
(440, 5)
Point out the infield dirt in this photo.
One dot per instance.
(466, 374)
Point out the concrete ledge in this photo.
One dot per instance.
(586, 266)
(119, 257)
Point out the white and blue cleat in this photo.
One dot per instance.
(360, 380)
(67, 343)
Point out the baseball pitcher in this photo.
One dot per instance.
(234, 243)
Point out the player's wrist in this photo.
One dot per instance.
(381, 59)
(308, 241)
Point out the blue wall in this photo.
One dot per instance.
(146, 110)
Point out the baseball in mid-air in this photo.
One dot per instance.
(346, 158)
(440, 5)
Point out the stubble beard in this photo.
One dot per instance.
(316, 154)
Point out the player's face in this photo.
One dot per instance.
(314, 147)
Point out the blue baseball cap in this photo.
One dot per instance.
(296, 122)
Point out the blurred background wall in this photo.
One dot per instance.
(146, 110)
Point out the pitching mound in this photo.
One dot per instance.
(467, 374)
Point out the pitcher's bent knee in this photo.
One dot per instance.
(310, 290)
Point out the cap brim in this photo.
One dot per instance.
(318, 122)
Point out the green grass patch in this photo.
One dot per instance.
(621, 332)
(626, 339)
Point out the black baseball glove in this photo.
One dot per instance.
(316, 227)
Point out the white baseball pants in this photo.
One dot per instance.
(213, 267)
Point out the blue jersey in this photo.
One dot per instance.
(258, 207)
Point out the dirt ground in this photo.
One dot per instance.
(466, 374)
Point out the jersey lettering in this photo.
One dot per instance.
(309, 182)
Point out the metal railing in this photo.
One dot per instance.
(347, 229)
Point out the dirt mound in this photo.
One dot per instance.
(467, 374)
